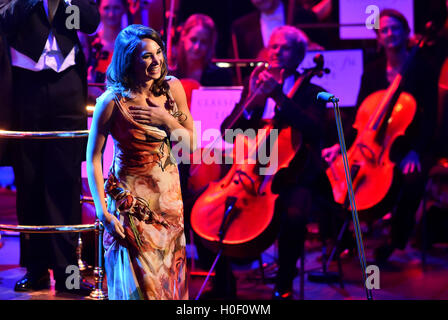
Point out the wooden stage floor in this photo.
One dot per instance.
(403, 278)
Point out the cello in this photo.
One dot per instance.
(382, 117)
(236, 214)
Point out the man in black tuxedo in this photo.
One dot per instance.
(5, 100)
(49, 86)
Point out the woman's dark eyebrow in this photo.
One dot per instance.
(147, 52)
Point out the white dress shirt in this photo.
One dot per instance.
(269, 22)
(51, 57)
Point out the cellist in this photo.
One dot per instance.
(410, 153)
(297, 184)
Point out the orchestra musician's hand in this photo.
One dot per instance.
(330, 154)
(271, 82)
(253, 80)
(264, 83)
(256, 95)
(410, 163)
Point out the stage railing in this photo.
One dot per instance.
(98, 292)
(44, 134)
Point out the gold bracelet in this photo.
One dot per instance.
(178, 115)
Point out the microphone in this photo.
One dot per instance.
(327, 97)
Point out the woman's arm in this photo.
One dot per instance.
(185, 128)
(97, 137)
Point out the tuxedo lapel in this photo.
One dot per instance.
(42, 14)
(30, 32)
(53, 6)
(33, 42)
(64, 37)
(31, 39)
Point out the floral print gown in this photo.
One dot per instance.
(143, 192)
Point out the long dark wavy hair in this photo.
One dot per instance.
(120, 77)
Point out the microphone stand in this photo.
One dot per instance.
(230, 204)
(359, 243)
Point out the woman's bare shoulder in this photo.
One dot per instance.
(106, 101)
(173, 81)
(175, 85)
(106, 98)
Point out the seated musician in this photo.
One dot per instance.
(303, 183)
(410, 153)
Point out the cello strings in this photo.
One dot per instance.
(358, 234)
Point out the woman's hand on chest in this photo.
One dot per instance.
(150, 111)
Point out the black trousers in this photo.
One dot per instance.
(297, 206)
(406, 194)
(402, 200)
(48, 172)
